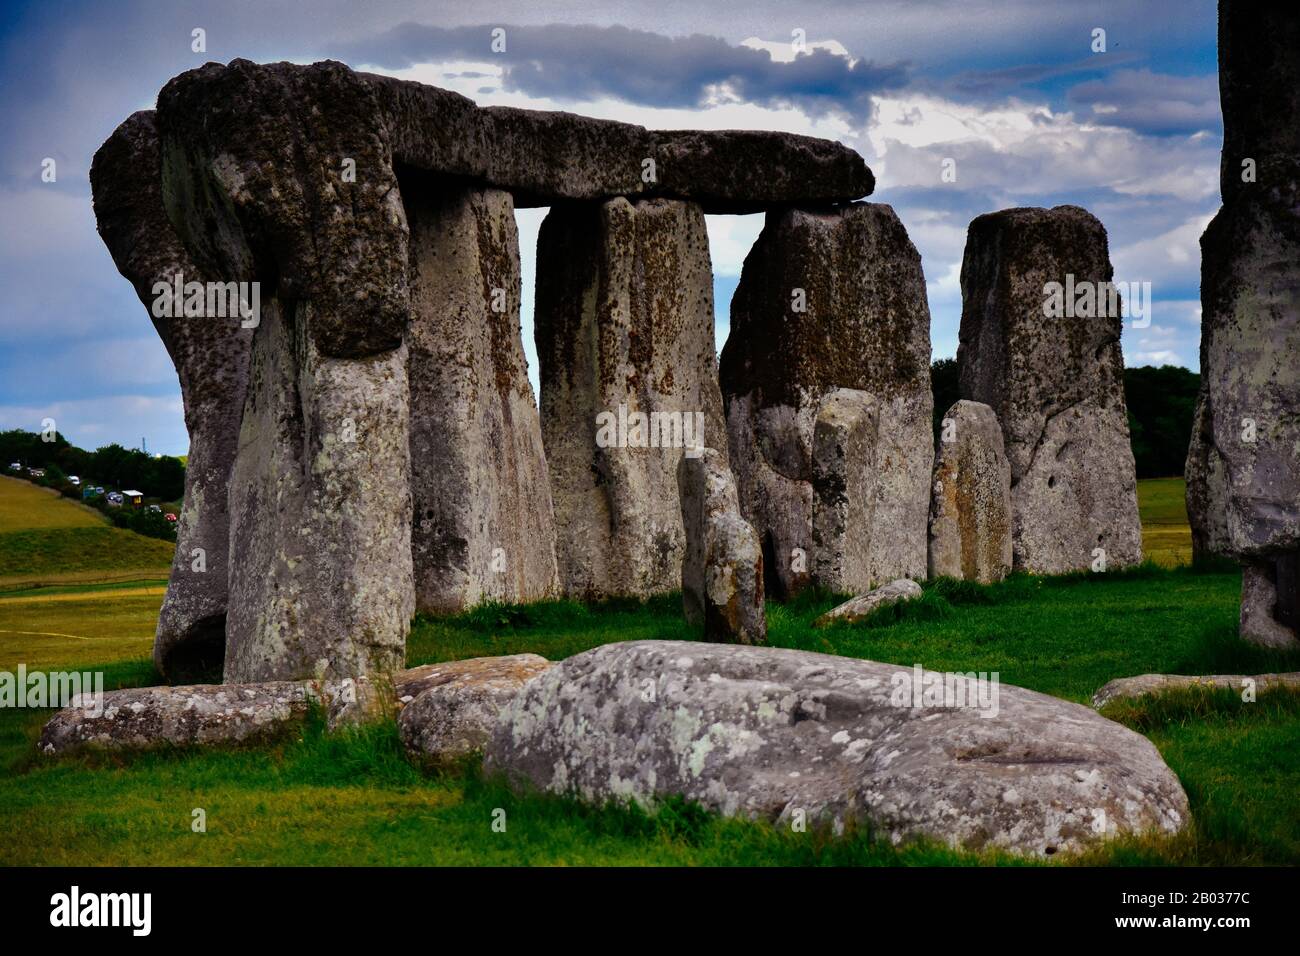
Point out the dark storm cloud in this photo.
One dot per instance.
(583, 62)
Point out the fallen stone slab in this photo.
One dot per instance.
(1055, 378)
(970, 503)
(830, 299)
(211, 355)
(786, 735)
(1131, 688)
(449, 710)
(855, 609)
(203, 714)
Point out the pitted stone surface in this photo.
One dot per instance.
(863, 606)
(202, 714)
(455, 706)
(970, 507)
(484, 527)
(1206, 481)
(722, 567)
(1055, 384)
(211, 355)
(828, 300)
(624, 325)
(320, 511)
(1131, 688)
(765, 732)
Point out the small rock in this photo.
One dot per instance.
(860, 607)
(1131, 688)
(449, 710)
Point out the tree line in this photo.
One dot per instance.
(112, 466)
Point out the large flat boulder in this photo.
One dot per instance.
(970, 504)
(827, 300)
(484, 527)
(1056, 384)
(624, 329)
(211, 355)
(788, 735)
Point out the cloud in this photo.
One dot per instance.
(1157, 104)
(581, 62)
(124, 418)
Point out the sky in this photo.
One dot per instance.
(1012, 91)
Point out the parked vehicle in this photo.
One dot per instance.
(74, 480)
(155, 509)
(36, 472)
(169, 516)
(16, 466)
(115, 499)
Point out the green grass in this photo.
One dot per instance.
(1166, 537)
(47, 539)
(353, 798)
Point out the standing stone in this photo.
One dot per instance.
(624, 328)
(211, 355)
(858, 540)
(484, 528)
(1250, 325)
(1055, 382)
(284, 176)
(320, 511)
(830, 299)
(970, 507)
(722, 568)
(1206, 486)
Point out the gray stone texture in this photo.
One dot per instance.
(722, 566)
(211, 355)
(624, 317)
(765, 733)
(970, 504)
(864, 605)
(1056, 385)
(1132, 688)
(484, 528)
(830, 299)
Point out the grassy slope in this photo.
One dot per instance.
(352, 798)
(47, 539)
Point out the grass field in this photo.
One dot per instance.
(46, 539)
(1166, 537)
(352, 798)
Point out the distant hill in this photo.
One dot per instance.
(46, 539)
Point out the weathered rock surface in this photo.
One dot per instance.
(546, 158)
(624, 328)
(864, 605)
(1206, 481)
(211, 355)
(970, 504)
(1259, 74)
(1269, 603)
(764, 733)
(1131, 688)
(449, 710)
(320, 511)
(722, 566)
(203, 714)
(484, 527)
(829, 300)
(1055, 384)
